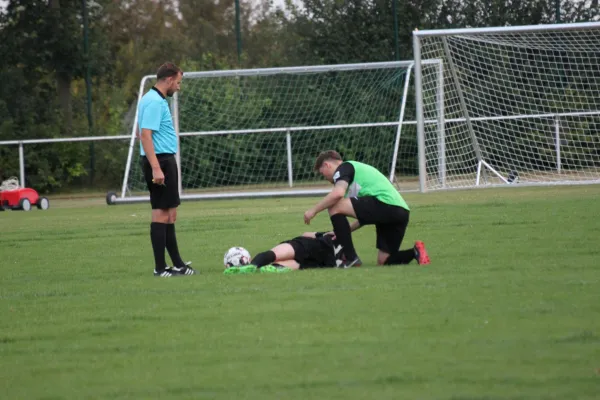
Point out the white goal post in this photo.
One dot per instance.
(257, 132)
(520, 104)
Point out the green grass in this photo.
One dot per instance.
(508, 309)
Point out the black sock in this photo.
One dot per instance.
(158, 236)
(172, 247)
(400, 257)
(341, 228)
(264, 258)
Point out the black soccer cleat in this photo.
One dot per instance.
(165, 273)
(338, 253)
(185, 270)
(345, 264)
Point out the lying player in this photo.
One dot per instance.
(311, 250)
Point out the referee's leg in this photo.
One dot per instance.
(160, 217)
(171, 202)
(164, 200)
(172, 246)
(158, 237)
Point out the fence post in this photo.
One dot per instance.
(420, 114)
(288, 138)
(21, 164)
(175, 117)
(557, 142)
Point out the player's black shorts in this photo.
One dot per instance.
(313, 253)
(390, 221)
(167, 195)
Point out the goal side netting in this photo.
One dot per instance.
(520, 104)
(257, 132)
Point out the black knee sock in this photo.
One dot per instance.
(264, 258)
(172, 247)
(343, 235)
(158, 236)
(400, 257)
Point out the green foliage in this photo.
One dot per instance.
(42, 65)
(285, 100)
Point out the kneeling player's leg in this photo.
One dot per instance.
(398, 258)
(382, 257)
(389, 239)
(341, 226)
(418, 253)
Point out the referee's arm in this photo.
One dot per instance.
(148, 145)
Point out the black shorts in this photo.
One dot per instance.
(167, 195)
(313, 253)
(390, 221)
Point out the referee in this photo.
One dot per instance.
(158, 145)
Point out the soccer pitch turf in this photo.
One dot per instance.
(508, 309)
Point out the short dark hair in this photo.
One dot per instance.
(167, 70)
(327, 155)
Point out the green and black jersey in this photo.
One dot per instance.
(365, 180)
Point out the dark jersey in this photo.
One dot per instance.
(313, 252)
(345, 172)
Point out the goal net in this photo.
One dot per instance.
(253, 133)
(520, 104)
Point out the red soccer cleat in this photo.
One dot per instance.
(420, 253)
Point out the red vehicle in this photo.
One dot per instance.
(22, 199)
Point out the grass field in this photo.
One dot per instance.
(508, 309)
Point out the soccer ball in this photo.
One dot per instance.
(236, 257)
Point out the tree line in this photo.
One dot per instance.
(43, 64)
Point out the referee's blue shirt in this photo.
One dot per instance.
(154, 114)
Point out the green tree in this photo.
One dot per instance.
(45, 37)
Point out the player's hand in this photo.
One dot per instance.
(317, 235)
(158, 178)
(310, 214)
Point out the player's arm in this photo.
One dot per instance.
(316, 235)
(353, 226)
(336, 194)
(342, 178)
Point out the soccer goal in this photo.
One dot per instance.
(257, 132)
(520, 104)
